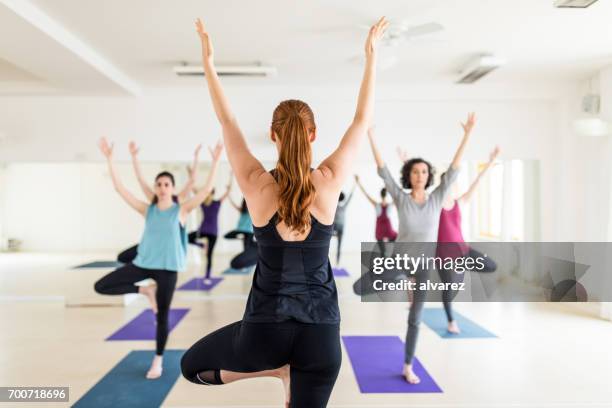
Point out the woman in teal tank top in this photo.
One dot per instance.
(162, 249)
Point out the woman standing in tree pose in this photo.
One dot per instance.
(244, 229)
(419, 215)
(290, 327)
(209, 228)
(339, 218)
(129, 254)
(162, 249)
(384, 230)
(452, 245)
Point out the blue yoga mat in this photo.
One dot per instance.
(242, 271)
(378, 362)
(100, 264)
(143, 327)
(126, 386)
(435, 319)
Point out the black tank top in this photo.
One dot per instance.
(293, 280)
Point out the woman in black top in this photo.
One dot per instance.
(290, 327)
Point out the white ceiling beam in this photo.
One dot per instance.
(57, 32)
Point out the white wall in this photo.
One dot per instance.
(169, 123)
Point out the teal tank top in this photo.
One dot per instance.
(244, 223)
(164, 241)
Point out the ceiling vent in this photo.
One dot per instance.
(227, 70)
(478, 67)
(573, 3)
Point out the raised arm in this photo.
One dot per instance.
(233, 203)
(365, 193)
(193, 172)
(402, 154)
(249, 171)
(107, 150)
(468, 194)
(338, 165)
(146, 189)
(380, 163)
(203, 192)
(467, 131)
(228, 189)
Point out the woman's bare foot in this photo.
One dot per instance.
(285, 376)
(156, 368)
(409, 374)
(453, 327)
(149, 292)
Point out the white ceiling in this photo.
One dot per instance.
(309, 41)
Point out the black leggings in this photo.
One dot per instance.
(311, 350)
(339, 232)
(121, 281)
(449, 276)
(248, 257)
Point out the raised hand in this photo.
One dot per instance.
(196, 152)
(375, 34)
(215, 152)
(357, 178)
(207, 48)
(134, 149)
(402, 153)
(469, 124)
(106, 148)
(493, 155)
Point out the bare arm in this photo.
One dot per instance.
(403, 154)
(233, 203)
(338, 165)
(203, 192)
(146, 189)
(467, 131)
(107, 151)
(380, 163)
(468, 194)
(227, 190)
(193, 172)
(249, 171)
(365, 193)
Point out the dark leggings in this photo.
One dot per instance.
(121, 281)
(210, 247)
(129, 254)
(311, 350)
(248, 257)
(449, 276)
(339, 232)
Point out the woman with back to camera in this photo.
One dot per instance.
(290, 328)
(419, 215)
(162, 249)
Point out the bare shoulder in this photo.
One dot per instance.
(326, 200)
(262, 200)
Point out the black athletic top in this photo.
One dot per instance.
(293, 280)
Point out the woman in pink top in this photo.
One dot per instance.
(384, 230)
(453, 244)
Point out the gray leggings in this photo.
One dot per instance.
(414, 316)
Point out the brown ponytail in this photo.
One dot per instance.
(292, 123)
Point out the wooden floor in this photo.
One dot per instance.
(54, 326)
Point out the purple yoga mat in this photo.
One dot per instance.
(378, 361)
(199, 284)
(340, 272)
(143, 327)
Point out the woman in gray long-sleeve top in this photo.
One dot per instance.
(419, 215)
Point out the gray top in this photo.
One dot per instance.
(418, 222)
(341, 210)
